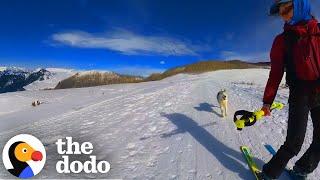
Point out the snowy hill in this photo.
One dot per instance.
(18, 79)
(57, 74)
(168, 129)
(14, 79)
(3, 68)
(96, 78)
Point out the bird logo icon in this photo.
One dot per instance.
(24, 156)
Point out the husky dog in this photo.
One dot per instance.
(222, 98)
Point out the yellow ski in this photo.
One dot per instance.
(249, 158)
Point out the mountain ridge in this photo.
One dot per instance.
(18, 79)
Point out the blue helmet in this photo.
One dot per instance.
(301, 10)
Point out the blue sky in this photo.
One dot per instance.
(134, 36)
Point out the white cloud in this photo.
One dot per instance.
(162, 62)
(128, 43)
(257, 56)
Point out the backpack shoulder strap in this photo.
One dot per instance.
(318, 34)
(290, 38)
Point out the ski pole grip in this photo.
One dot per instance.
(276, 105)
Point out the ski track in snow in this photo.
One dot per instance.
(169, 129)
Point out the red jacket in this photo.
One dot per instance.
(277, 57)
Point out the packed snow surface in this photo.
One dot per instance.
(169, 129)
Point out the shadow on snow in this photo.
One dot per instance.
(208, 108)
(228, 157)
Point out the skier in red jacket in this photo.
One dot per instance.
(296, 51)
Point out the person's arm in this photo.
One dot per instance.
(276, 72)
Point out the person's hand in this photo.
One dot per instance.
(266, 109)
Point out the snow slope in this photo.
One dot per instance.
(169, 129)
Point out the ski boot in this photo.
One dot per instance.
(297, 174)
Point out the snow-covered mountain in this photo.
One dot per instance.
(168, 129)
(3, 68)
(57, 75)
(14, 79)
(18, 79)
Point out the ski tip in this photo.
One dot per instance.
(244, 147)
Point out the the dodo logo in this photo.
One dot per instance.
(24, 156)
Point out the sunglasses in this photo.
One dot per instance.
(286, 9)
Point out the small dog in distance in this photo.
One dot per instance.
(35, 103)
(222, 98)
